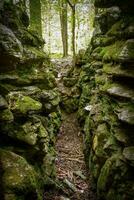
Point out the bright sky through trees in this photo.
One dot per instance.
(51, 26)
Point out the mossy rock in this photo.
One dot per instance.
(103, 142)
(18, 176)
(123, 29)
(3, 103)
(32, 91)
(70, 104)
(6, 115)
(107, 17)
(13, 79)
(54, 122)
(30, 133)
(127, 52)
(69, 82)
(11, 49)
(94, 166)
(32, 54)
(21, 104)
(126, 114)
(118, 91)
(114, 179)
(31, 38)
(128, 153)
(50, 99)
(87, 139)
(104, 3)
(109, 3)
(6, 88)
(121, 135)
(103, 41)
(44, 78)
(100, 79)
(48, 163)
(118, 71)
(112, 52)
(97, 53)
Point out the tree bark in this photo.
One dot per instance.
(73, 7)
(73, 30)
(64, 26)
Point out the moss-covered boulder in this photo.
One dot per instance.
(127, 53)
(18, 177)
(70, 104)
(128, 153)
(69, 82)
(10, 47)
(23, 104)
(3, 103)
(50, 100)
(6, 115)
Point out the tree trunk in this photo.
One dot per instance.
(64, 26)
(35, 16)
(73, 7)
(73, 30)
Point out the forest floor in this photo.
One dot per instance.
(70, 164)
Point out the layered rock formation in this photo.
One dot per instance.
(106, 108)
(29, 107)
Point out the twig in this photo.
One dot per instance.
(70, 185)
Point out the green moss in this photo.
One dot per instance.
(48, 163)
(100, 79)
(103, 41)
(123, 28)
(118, 71)
(23, 104)
(69, 82)
(87, 139)
(18, 176)
(54, 123)
(112, 52)
(127, 52)
(6, 115)
(114, 176)
(115, 29)
(10, 196)
(70, 104)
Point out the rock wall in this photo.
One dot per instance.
(106, 107)
(29, 107)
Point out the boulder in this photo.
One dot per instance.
(128, 153)
(3, 103)
(127, 52)
(6, 115)
(21, 104)
(121, 91)
(127, 115)
(18, 178)
(11, 50)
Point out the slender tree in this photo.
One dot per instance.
(64, 26)
(73, 20)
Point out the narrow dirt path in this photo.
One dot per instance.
(70, 159)
(70, 164)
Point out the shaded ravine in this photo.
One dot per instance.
(70, 160)
(70, 163)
